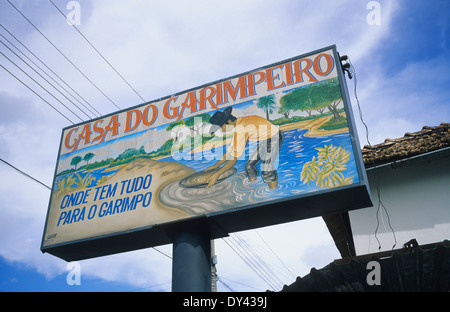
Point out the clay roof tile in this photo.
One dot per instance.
(411, 144)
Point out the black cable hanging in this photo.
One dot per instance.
(59, 91)
(98, 52)
(351, 71)
(25, 174)
(60, 52)
(40, 85)
(29, 88)
(97, 114)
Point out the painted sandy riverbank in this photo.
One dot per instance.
(100, 213)
(313, 126)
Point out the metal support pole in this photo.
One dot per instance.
(213, 267)
(191, 263)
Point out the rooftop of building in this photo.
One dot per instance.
(412, 144)
(346, 275)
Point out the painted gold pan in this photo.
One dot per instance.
(200, 179)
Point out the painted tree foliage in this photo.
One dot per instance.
(314, 97)
(88, 157)
(267, 103)
(75, 161)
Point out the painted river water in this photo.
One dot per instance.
(237, 190)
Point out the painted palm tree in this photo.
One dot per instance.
(267, 103)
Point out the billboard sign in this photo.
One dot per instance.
(272, 145)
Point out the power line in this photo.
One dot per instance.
(224, 284)
(25, 174)
(235, 282)
(76, 67)
(151, 286)
(96, 50)
(250, 262)
(29, 88)
(161, 252)
(48, 68)
(259, 261)
(34, 80)
(45, 80)
(276, 256)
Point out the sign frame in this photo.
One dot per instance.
(267, 213)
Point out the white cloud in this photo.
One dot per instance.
(393, 104)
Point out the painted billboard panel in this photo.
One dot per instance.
(272, 145)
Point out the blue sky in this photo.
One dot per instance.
(402, 68)
(420, 34)
(20, 278)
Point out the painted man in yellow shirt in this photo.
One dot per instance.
(249, 128)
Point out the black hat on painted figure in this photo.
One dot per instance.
(219, 119)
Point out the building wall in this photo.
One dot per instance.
(416, 195)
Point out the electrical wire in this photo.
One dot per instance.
(377, 178)
(60, 52)
(26, 63)
(24, 173)
(40, 85)
(98, 114)
(250, 262)
(255, 261)
(161, 252)
(29, 88)
(229, 287)
(151, 286)
(260, 262)
(98, 52)
(276, 256)
(225, 284)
